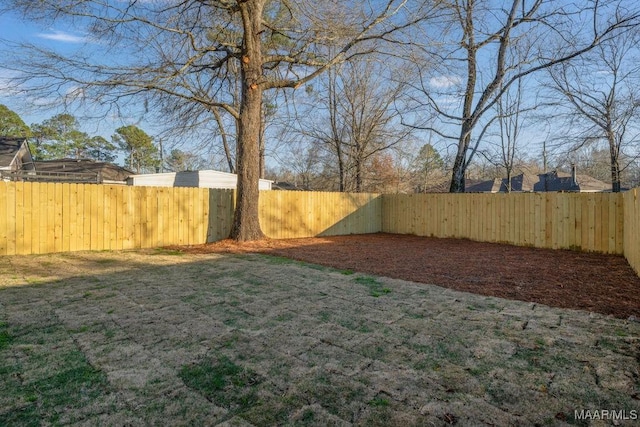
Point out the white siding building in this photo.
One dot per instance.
(202, 179)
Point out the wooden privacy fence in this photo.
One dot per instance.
(632, 228)
(291, 214)
(583, 221)
(38, 218)
(55, 217)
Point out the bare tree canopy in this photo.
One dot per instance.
(485, 46)
(350, 115)
(197, 53)
(602, 99)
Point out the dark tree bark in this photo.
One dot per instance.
(246, 224)
(194, 51)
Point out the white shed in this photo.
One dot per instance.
(202, 179)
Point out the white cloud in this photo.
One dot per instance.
(443, 82)
(61, 36)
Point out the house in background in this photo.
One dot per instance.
(287, 186)
(550, 181)
(202, 179)
(15, 157)
(17, 164)
(80, 171)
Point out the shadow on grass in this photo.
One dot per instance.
(160, 337)
(594, 282)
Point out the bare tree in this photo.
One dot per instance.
(354, 119)
(188, 51)
(602, 92)
(499, 43)
(511, 117)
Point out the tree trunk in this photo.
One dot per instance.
(460, 162)
(457, 176)
(359, 180)
(225, 143)
(615, 164)
(341, 176)
(246, 224)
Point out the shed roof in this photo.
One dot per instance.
(9, 148)
(201, 178)
(106, 171)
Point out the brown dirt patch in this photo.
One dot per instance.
(568, 279)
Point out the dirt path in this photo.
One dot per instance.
(586, 281)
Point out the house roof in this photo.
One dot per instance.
(283, 185)
(102, 170)
(439, 186)
(550, 181)
(490, 186)
(9, 148)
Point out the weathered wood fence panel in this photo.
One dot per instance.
(632, 228)
(584, 221)
(291, 214)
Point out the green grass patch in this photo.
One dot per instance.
(325, 316)
(284, 317)
(279, 260)
(315, 266)
(5, 337)
(376, 288)
(379, 402)
(107, 261)
(167, 251)
(254, 281)
(43, 400)
(354, 325)
(443, 350)
(224, 382)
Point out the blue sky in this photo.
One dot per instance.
(64, 41)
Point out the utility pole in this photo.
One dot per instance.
(161, 156)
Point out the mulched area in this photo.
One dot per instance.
(569, 279)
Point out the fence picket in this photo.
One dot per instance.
(48, 217)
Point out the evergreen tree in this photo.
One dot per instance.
(11, 124)
(179, 161)
(60, 137)
(142, 155)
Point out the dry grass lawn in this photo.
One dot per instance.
(164, 338)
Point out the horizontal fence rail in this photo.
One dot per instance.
(37, 218)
